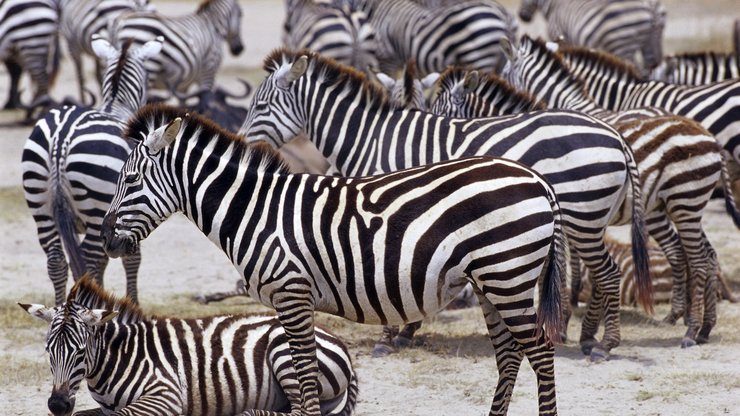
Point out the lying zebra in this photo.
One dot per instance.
(221, 365)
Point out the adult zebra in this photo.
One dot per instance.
(90, 336)
(380, 249)
(29, 41)
(615, 85)
(350, 122)
(697, 68)
(680, 164)
(70, 166)
(620, 27)
(81, 19)
(192, 49)
(466, 34)
(337, 30)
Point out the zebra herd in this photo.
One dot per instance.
(523, 151)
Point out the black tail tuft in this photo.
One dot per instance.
(550, 311)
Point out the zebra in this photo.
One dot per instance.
(660, 271)
(29, 41)
(192, 51)
(465, 34)
(615, 86)
(680, 163)
(349, 120)
(409, 91)
(350, 246)
(697, 68)
(336, 30)
(81, 19)
(620, 27)
(70, 166)
(90, 336)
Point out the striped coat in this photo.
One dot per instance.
(220, 365)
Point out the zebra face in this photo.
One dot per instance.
(70, 329)
(453, 95)
(516, 62)
(142, 200)
(233, 33)
(527, 9)
(273, 116)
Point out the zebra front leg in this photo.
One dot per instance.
(131, 266)
(699, 254)
(665, 235)
(56, 265)
(384, 346)
(406, 335)
(591, 320)
(508, 355)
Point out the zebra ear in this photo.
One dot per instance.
(429, 80)
(163, 136)
(387, 82)
(38, 311)
(471, 81)
(296, 71)
(150, 49)
(507, 48)
(103, 49)
(93, 317)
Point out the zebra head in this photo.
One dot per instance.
(70, 328)
(226, 17)
(274, 114)
(143, 198)
(652, 51)
(455, 94)
(408, 92)
(529, 7)
(522, 63)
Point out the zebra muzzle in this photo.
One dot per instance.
(60, 403)
(115, 245)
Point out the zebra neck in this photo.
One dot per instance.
(606, 86)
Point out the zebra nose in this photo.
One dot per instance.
(59, 404)
(237, 49)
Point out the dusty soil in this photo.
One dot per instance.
(451, 370)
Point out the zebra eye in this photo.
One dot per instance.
(132, 178)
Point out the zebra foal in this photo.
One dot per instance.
(220, 365)
(70, 165)
(380, 249)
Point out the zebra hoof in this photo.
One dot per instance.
(401, 342)
(598, 355)
(687, 342)
(701, 339)
(200, 299)
(382, 350)
(587, 346)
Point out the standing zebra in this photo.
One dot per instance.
(680, 164)
(621, 27)
(81, 19)
(192, 49)
(29, 41)
(465, 34)
(90, 337)
(336, 30)
(615, 86)
(587, 162)
(698, 68)
(70, 166)
(381, 249)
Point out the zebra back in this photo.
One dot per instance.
(697, 68)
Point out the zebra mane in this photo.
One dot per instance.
(454, 74)
(122, 59)
(409, 76)
(601, 58)
(328, 70)
(88, 293)
(152, 116)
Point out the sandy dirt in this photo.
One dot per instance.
(451, 370)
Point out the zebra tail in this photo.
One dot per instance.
(730, 205)
(640, 255)
(550, 311)
(64, 218)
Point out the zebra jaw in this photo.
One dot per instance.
(114, 244)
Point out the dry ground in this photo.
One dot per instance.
(451, 371)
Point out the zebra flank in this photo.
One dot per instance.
(355, 247)
(219, 365)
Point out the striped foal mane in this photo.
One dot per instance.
(600, 58)
(152, 116)
(329, 70)
(456, 73)
(88, 293)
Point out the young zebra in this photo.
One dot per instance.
(348, 119)
(680, 164)
(381, 249)
(466, 34)
(338, 31)
(81, 19)
(29, 41)
(70, 166)
(621, 27)
(192, 51)
(220, 365)
(615, 85)
(698, 68)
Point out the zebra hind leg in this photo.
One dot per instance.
(406, 335)
(711, 296)
(14, 94)
(665, 235)
(240, 290)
